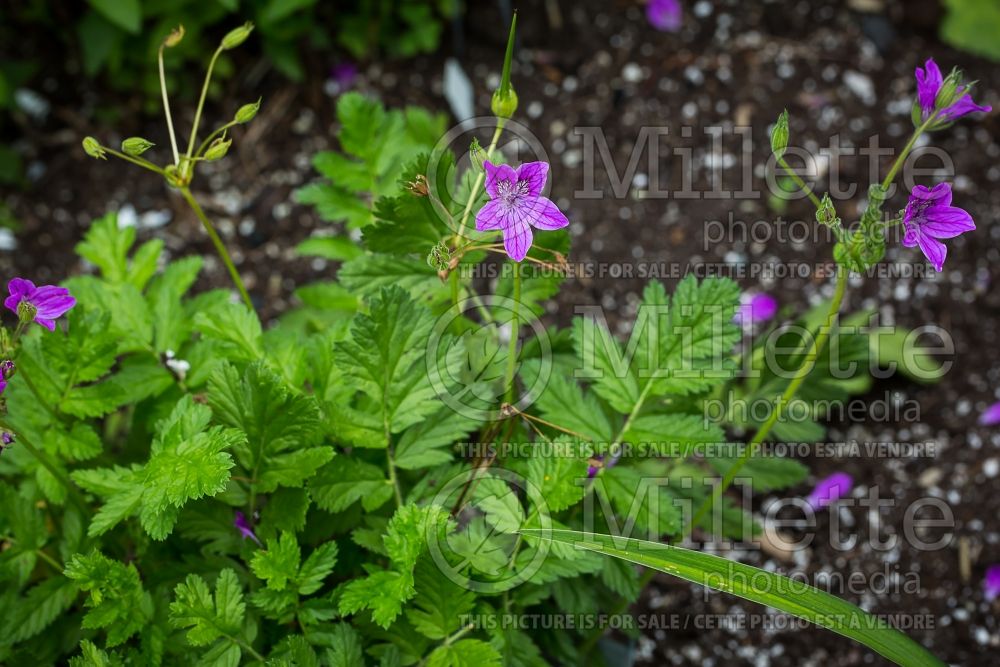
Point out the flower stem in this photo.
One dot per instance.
(145, 164)
(166, 108)
(219, 247)
(799, 182)
(201, 102)
(906, 151)
(44, 460)
(808, 363)
(515, 328)
(479, 179)
(393, 477)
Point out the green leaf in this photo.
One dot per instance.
(757, 585)
(38, 609)
(282, 428)
(336, 248)
(278, 563)
(345, 647)
(972, 26)
(117, 601)
(105, 245)
(464, 653)
(209, 619)
(384, 359)
(126, 14)
(345, 480)
(235, 326)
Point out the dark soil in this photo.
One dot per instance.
(837, 70)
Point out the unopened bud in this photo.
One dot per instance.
(246, 113)
(7, 369)
(93, 148)
(951, 90)
(237, 36)
(26, 312)
(779, 135)
(136, 146)
(826, 214)
(217, 149)
(419, 187)
(439, 257)
(174, 38)
(6, 439)
(504, 105)
(477, 155)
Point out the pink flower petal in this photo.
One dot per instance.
(544, 214)
(535, 175)
(490, 216)
(496, 173)
(517, 240)
(933, 250)
(830, 489)
(991, 415)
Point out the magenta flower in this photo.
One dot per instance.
(344, 74)
(664, 15)
(990, 416)
(7, 369)
(929, 84)
(830, 489)
(6, 438)
(991, 583)
(49, 302)
(756, 308)
(240, 522)
(516, 205)
(930, 216)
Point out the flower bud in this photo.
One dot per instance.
(826, 214)
(246, 113)
(217, 149)
(7, 369)
(237, 36)
(951, 90)
(477, 155)
(93, 148)
(439, 257)
(174, 38)
(26, 312)
(136, 146)
(504, 105)
(779, 135)
(6, 439)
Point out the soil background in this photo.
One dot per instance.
(594, 63)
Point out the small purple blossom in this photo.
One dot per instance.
(830, 489)
(240, 522)
(929, 216)
(49, 301)
(990, 416)
(516, 205)
(929, 83)
(599, 461)
(991, 583)
(6, 438)
(756, 308)
(664, 15)
(343, 75)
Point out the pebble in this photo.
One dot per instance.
(861, 85)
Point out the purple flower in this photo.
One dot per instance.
(929, 84)
(240, 522)
(990, 416)
(930, 216)
(664, 15)
(991, 583)
(756, 308)
(6, 438)
(344, 74)
(830, 489)
(49, 302)
(516, 204)
(598, 462)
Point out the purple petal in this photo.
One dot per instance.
(991, 583)
(939, 194)
(490, 216)
(933, 250)
(535, 175)
(496, 173)
(3, 385)
(929, 82)
(47, 323)
(963, 107)
(757, 308)
(830, 489)
(52, 302)
(544, 214)
(946, 222)
(19, 288)
(517, 240)
(991, 415)
(664, 15)
(910, 235)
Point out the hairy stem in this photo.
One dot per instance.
(138, 161)
(220, 248)
(166, 109)
(201, 102)
(515, 328)
(906, 151)
(799, 182)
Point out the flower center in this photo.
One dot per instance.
(510, 191)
